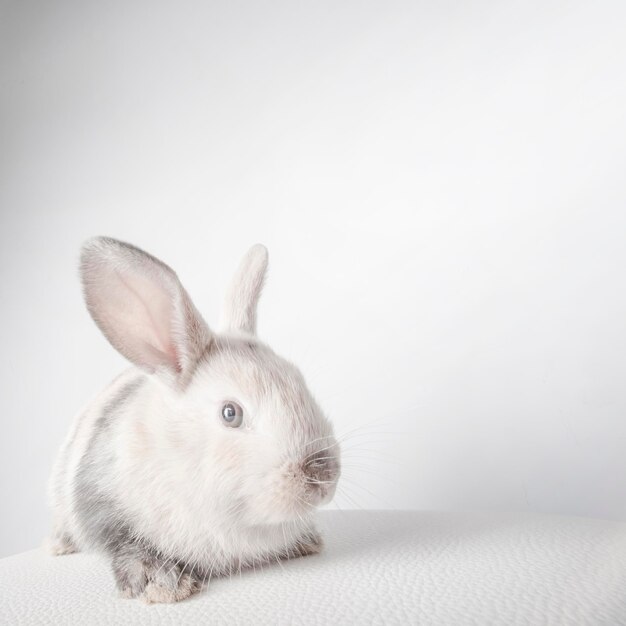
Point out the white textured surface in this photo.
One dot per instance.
(379, 567)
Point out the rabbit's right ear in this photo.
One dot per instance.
(139, 304)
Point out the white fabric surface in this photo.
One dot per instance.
(378, 568)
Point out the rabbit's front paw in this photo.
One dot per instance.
(164, 591)
(153, 580)
(131, 576)
(310, 543)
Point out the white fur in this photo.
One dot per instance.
(214, 496)
(239, 312)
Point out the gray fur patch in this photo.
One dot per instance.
(136, 563)
(99, 517)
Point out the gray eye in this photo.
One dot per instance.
(232, 414)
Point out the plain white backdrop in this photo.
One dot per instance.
(440, 185)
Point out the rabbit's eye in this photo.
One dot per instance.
(232, 414)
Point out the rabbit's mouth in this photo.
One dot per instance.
(318, 494)
(302, 485)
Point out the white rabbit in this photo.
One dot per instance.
(207, 456)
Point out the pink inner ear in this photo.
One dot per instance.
(136, 312)
(152, 358)
(141, 307)
(151, 312)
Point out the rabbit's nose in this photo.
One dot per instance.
(321, 467)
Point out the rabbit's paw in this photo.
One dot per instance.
(58, 545)
(131, 576)
(141, 573)
(170, 589)
(308, 544)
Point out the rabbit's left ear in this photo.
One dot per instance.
(239, 313)
(139, 304)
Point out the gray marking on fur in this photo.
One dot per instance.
(135, 564)
(63, 461)
(135, 561)
(96, 510)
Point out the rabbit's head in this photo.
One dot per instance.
(239, 416)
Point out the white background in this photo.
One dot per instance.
(441, 186)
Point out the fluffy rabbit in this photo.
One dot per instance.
(209, 455)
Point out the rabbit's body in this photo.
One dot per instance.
(152, 474)
(77, 454)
